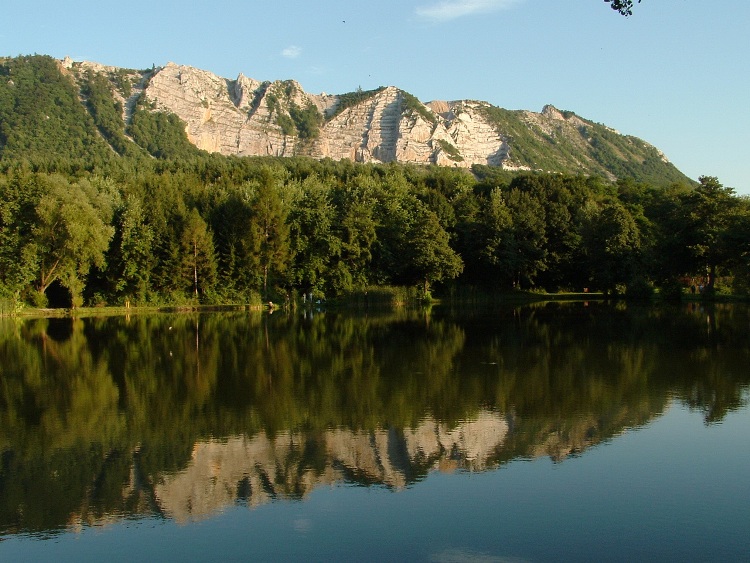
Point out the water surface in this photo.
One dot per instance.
(579, 431)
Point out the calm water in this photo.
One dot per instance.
(562, 431)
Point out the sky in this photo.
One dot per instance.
(676, 73)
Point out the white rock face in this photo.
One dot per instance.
(214, 122)
(246, 117)
(240, 118)
(267, 467)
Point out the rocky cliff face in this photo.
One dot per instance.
(228, 117)
(244, 117)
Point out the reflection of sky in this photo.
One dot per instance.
(675, 489)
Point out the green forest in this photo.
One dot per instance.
(95, 212)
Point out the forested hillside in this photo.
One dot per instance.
(89, 217)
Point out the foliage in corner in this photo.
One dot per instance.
(625, 7)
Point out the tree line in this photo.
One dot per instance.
(214, 229)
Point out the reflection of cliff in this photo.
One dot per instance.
(257, 470)
(262, 468)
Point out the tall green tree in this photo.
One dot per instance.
(493, 239)
(19, 196)
(429, 254)
(165, 211)
(737, 238)
(562, 199)
(71, 234)
(231, 224)
(394, 214)
(668, 255)
(314, 243)
(526, 248)
(710, 209)
(612, 242)
(134, 253)
(356, 229)
(198, 261)
(269, 231)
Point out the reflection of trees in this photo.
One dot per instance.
(709, 368)
(60, 417)
(110, 416)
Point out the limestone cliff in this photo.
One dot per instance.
(248, 117)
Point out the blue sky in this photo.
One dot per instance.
(676, 73)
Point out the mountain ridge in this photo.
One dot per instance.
(249, 117)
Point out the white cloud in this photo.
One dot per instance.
(452, 9)
(291, 52)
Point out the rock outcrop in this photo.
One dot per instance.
(244, 117)
(231, 118)
(247, 117)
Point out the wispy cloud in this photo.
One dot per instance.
(451, 9)
(291, 52)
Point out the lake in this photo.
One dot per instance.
(554, 431)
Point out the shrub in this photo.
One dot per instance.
(671, 291)
(639, 288)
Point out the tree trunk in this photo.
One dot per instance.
(711, 278)
(195, 267)
(265, 281)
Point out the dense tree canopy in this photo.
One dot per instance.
(235, 230)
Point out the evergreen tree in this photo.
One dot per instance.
(198, 261)
(134, 256)
(429, 255)
(612, 242)
(356, 229)
(19, 196)
(269, 232)
(314, 243)
(710, 208)
(495, 236)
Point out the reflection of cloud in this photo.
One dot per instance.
(452, 9)
(466, 555)
(291, 52)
